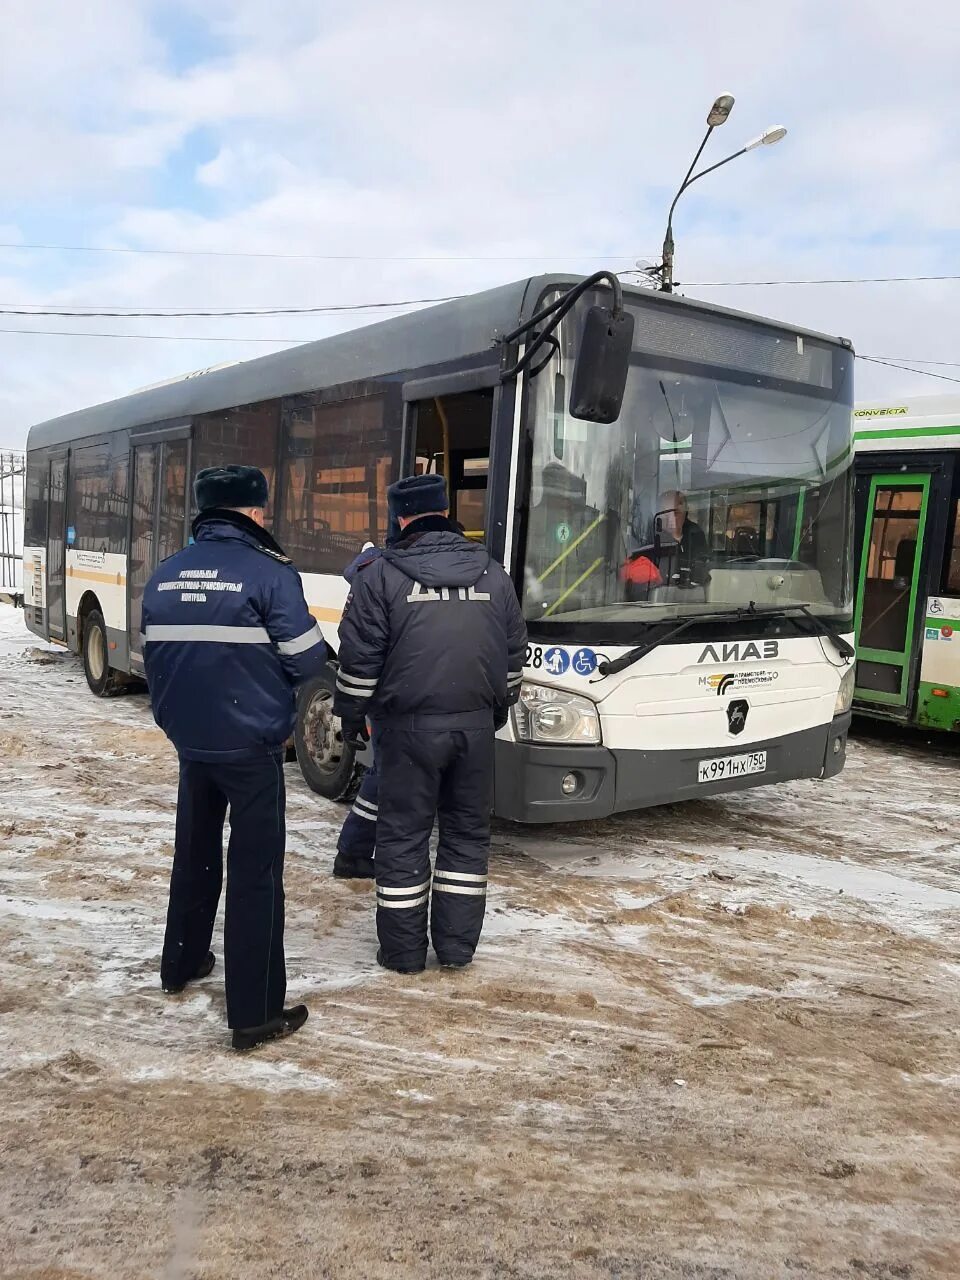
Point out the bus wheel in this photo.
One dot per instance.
(103, 681)
(326, 761)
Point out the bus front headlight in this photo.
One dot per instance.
(845, 693)
(543, 714)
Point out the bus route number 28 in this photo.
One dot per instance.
(534, 657)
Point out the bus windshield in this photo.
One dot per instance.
(726, 479)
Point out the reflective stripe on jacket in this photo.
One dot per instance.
(432, 627)
(227, 637)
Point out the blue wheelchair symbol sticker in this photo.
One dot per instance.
(584, 662)
(556, 661)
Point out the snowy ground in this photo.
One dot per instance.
(715, 1041)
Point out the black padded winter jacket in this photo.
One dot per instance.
(431, 628)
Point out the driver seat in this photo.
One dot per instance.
(746, 542)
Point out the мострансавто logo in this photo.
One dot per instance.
(738, 680)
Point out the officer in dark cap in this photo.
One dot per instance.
(357, 840)
(432, 643)
(227, 637)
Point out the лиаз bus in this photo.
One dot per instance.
(685, 568)
(908, 558)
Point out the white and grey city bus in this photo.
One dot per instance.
(681, 544)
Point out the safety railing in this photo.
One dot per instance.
(12, 473)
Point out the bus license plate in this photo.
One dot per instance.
(731, 767)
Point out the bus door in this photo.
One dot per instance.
(448, 431)
(887, 588)
(56, 546)
(159, 514)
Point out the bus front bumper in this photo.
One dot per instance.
(529, 777)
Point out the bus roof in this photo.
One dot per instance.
(432, 336)
(910, 422)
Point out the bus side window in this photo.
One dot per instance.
(246, 436)
(952, 581)
(453, 439)
(340, 450)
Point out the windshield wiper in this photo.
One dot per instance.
(634, 655)
(843, 647)
(726, 615)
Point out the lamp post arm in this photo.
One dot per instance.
(666, 271)
(703, 172)
(686, 180)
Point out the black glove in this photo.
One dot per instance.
(355, 731)
(500, 717)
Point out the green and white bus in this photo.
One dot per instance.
(908, 546)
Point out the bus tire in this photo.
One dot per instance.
(101, 677)
(327, 763)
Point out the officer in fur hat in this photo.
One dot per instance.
(432, 643)
(227, 638)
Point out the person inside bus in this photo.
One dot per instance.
(677, 555)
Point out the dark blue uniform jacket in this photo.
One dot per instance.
(227, 637)
(432, 627)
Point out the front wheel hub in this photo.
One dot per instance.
(323, 733)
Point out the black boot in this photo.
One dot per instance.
(206, 967)
(348, 866)
(398, 968)
(291, 1020)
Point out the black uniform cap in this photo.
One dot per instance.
(232, 486)
(418, 496)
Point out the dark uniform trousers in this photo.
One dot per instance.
(430, 770)
(358, 835)
(254, 965)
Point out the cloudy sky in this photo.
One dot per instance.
(380, 150)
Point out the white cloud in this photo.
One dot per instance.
(556, 129)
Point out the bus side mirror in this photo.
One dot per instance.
(602, 365)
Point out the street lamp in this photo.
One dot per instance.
(718, 115)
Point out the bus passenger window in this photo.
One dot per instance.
(246, 436)
(453, 440)
(952, 584)
(97, 501)
(171, 536)
(338, 458)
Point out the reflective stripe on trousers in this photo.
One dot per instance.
(425, 774)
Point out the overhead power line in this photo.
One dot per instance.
(36, 309)
(454, 257)
(892, 364)
(946, 364)
(323, 257)
(119, 312)
(738, 284)
(154, 337)
(116, 311)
